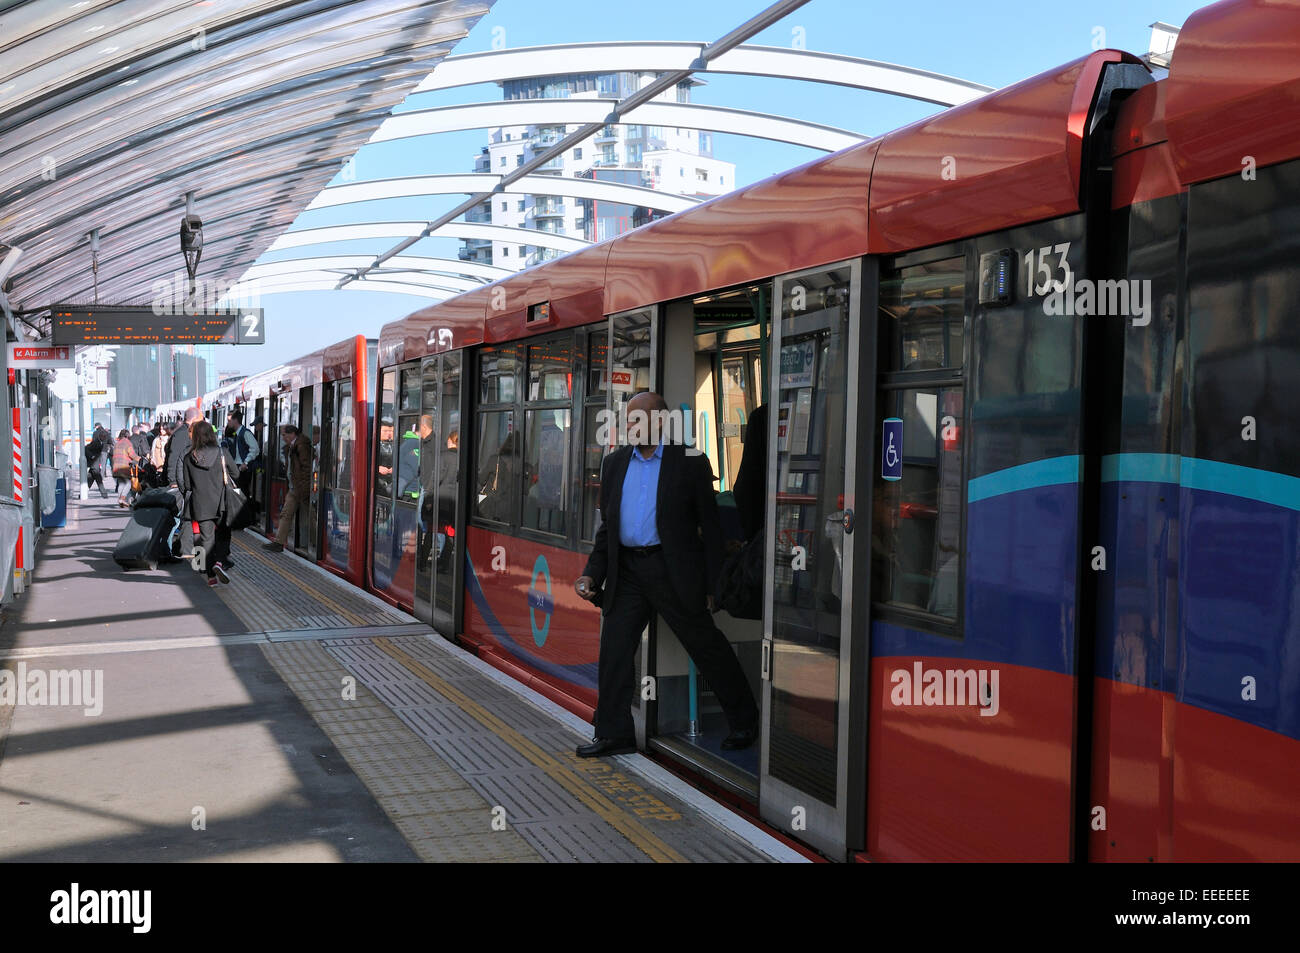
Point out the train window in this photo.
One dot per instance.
(385, 448)
(498, 367)
(410, 391)
(550, 367)
(497, 459)
(917, 515)
(597, 367)
(632, 356)
(595, 441)
(346, 436)
(592, 455)
(923, 315)
(916, 524)
(546, 470)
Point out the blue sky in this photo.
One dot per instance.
(991, 43)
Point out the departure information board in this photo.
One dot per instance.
(117, 324)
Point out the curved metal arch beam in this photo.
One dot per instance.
(751, 60)
(498, 233)
(418, 263)
(366, 284)
(250, 287)
(523, 112)
(475, 183)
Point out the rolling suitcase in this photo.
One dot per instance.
(159, 497)
(143, 544)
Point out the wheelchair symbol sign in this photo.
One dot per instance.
(891, 449)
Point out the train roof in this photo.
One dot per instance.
(1011, 157)
(1232, 95)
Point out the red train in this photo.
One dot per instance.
(1033, 482)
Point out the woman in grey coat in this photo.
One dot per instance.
(207, 496)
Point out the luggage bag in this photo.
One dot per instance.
(158, 497)
(143, 544)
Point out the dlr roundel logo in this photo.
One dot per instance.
(540, 601)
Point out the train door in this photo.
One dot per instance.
(282, 412)
(425, 556)
(305, 530)
(259, 471)
(332, 546)
(439, 569)
(810, 778)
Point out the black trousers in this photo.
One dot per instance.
(644, 588)
(214, 537)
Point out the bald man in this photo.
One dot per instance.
(658, 549)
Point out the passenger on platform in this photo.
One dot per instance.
(158, 454)
(174, 466)
(124, 456)
(658, 552)
(141, 445)
(206, 480)
(298, 454)
(245, 450)
(94, 464)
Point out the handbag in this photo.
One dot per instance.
(740, 581)
(237, 511)
(135, 478)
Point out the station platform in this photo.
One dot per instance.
(289, 716)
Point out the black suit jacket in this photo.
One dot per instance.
(686, 516)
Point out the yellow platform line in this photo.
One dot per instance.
(606, 809)
(342, 612)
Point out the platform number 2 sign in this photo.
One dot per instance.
(250, 331)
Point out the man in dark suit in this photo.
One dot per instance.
(658, 549)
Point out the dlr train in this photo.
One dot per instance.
(1022, 379)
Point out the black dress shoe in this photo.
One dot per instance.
(740, 739)
(601, 747)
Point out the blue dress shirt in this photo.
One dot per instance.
(637, 512)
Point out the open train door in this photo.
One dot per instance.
(815, 632)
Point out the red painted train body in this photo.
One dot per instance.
(1063, 624)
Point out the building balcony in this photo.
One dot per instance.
(608, 134)
(538, 212)
(607, 162)
(544, 140)
(478, 217)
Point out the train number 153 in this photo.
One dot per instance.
(1044, 270)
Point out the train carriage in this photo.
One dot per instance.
(1016, 377)
(327, 395)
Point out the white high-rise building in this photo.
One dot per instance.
(675, 160)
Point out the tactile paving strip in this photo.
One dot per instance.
(281, 593)
(521, 761)
(440, 814)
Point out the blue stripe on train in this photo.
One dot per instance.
(1021, 547)
(1239, 551)
(1193, 473)
(583, 674)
